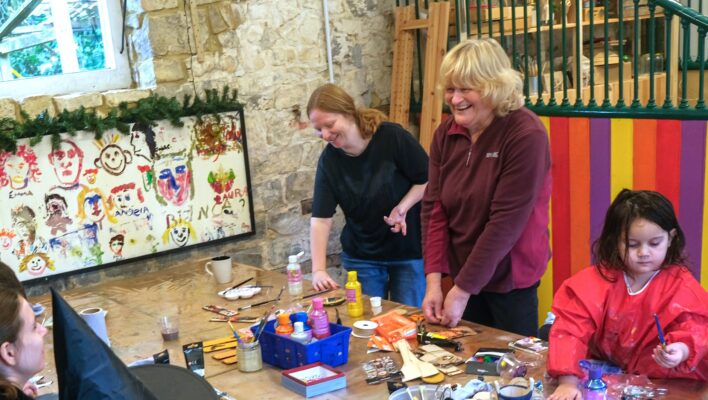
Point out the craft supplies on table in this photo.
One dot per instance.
(313, 379)
(394, 326)
(283, 352)
(530, 344)
(244, 292)
(380, 369)
(249, 356)
(364, 329)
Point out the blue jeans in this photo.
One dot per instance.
(403, 280)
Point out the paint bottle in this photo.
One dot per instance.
(294, 275)
(284, 328)
(299, 334)
(355, 307)
(320, 320)
(594, 388)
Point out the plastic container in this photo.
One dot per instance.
(294, 274)
(283, 352)
(320, 320)
(355, 306)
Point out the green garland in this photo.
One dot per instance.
(147, 111)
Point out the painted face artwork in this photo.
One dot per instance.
(35, 264)
(93, 207)
(142, 139)
(126, 196)
(16, 170)
(179, 231)
(647, 247)
(67, 161)
(113, 159)
(180, 235)
(116, 245)
(220, 180)
(6, 240)
(57, 218)
(174, 179)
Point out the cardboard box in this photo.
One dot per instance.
(613, 72)
(313, 379)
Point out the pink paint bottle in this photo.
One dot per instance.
(320, 320)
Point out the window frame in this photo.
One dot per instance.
(116, 75)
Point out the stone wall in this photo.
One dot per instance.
(273, 52)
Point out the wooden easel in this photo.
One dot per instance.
(436, 26)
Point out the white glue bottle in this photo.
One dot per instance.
(294, 274)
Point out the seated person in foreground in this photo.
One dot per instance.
(21, 345)
(607, 311)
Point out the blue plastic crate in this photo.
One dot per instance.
(283, 352)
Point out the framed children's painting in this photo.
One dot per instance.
(94, 202)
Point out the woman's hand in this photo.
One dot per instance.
(567, 389)
(432, 304)
(397, 220)
(322, 281)
(454, 306)
(673, 355)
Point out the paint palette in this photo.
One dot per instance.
(244, 292)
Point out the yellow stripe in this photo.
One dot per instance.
(545, 289)
(621, 156)
(704, 246)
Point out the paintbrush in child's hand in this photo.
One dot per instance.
(661, 332)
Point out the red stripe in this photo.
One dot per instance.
(668, 160)
(560, 197)
(644, 144)
(579, 147)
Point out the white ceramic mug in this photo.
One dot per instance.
(96, 320)
(220, 268)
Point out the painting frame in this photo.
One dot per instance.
(222, 187)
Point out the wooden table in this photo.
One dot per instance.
(135, 304)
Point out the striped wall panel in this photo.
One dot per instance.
(595, 158)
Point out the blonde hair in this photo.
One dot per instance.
(333, 99)
(482, 65)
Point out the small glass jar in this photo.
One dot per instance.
(249, 357)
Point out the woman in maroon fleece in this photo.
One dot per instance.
(485, 210)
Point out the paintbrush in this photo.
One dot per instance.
(260, 303)
(262, 325)
(238, 338)
(237, 285)
(661, 332)
(315, 294)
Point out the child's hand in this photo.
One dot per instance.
(566, 392)
(567, 389)
(675, 354)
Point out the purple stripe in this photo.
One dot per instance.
(693, 148)
(599, 174)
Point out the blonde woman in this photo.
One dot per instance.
(485, 210)
(376, 172)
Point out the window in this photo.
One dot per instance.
(54, 47)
